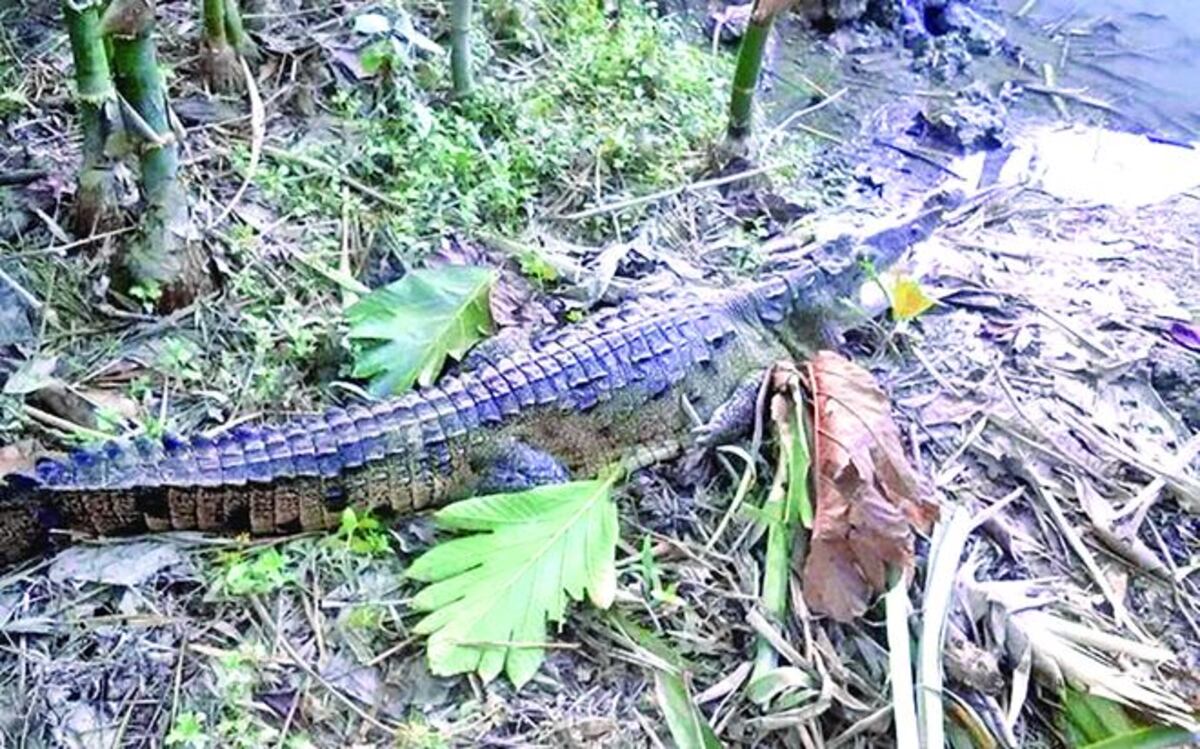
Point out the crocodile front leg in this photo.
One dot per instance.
(734, 417)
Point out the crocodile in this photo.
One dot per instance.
(627, 383)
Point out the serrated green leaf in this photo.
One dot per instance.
(408, 328)
(491, 594)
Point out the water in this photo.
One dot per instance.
(1143, 56)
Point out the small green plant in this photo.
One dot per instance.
(361, 534)
(653, 579)
(229, 722)
(416, 733)
(256, 574)
(536, 268)
(109, 420)
(188, 731)
(366, 617)
(147, 291)
(181, 358)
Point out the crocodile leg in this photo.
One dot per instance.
(735, 416)
(504, 343)
(520, 466)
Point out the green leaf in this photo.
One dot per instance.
(416, 322)
(688, 727)
(765, 687)
(798, 462)
(1152, 737)
(375, 56)
(492, 593)
(1095, 722)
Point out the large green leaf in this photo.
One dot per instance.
(412, 325)
(493, 592)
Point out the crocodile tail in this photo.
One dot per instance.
(25, 518)
(264, 479)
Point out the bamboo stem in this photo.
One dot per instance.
(235, 31)
(164, 261)
(217, 50)
(95, 202)
(746, 73)
(138, 79)
(214, 23)
(460, 46)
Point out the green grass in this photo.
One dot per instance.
(629, 109)
(229, 719)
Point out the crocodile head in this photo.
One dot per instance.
(810, 298)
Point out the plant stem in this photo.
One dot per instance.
(217, 55)
(787, 505)
(460, 46)
(745, 75)
(135, 66)
(164, 262)
(776, 572)
(95, 203)
(235, 30)
(214, 22)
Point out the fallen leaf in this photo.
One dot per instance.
(125, 564)
(34, 374)
(16, 457)
(868, 496)
(513, 300)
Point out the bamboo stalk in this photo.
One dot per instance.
(235, 31)
(214, 22)
(749, 66)
(96, 206)
(460, 46)
(138, 79)
(788, 508)
(164, 261)
(217, 53)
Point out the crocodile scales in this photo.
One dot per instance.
(611, 387)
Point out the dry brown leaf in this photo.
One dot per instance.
(16, 458)
(868, 496)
